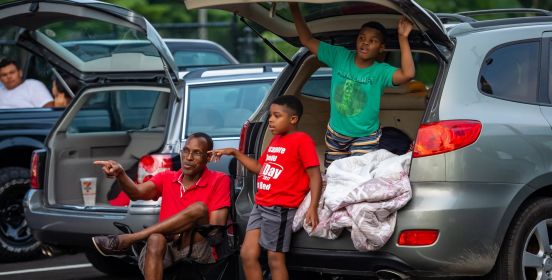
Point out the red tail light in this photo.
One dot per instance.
(35, 184)
(418, 237)
(445, 136)
(243, 135)
(152, 164)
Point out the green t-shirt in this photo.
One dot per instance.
(355, 92)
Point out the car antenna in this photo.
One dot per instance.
(267, 42)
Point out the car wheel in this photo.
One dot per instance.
(16, 240)
(526, 252)
(111, 265)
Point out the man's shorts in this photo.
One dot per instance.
(340, 146)
(201, 253)
(275, 225)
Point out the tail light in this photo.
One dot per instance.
(418, 237)
(243, 135)
(35, 162)
(445, 136)
(152, 164)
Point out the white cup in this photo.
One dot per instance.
(88, 186)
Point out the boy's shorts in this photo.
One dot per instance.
(275, 225)
(340, 146)
(202, 253)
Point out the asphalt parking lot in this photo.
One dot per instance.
(55, 268)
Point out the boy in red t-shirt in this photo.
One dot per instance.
(287, 169)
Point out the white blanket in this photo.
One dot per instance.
(362, 194)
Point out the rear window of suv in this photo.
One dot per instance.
(511, 72)
(221, 109)
(118, 110)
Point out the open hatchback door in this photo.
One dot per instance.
(89, 39)
(332, 21)
(128, 92)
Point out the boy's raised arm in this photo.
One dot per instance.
(407, 70)
(249, 163)
(305, 36)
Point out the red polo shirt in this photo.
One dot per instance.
(212, 188)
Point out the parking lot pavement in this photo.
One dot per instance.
(62, 267)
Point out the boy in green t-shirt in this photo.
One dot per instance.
(357, 84)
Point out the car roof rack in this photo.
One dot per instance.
(236, 69)
(467, 16)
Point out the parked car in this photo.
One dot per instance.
(189, 53)
(24, 130)
(481, 169)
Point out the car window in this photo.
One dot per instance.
(426, 64)
(119, 110)
(317, 87)
(33, 67)
(96, 46)
(511, 72)
(220, 110)
(195, 58)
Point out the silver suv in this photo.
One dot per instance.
(145, 138)
(481, 170)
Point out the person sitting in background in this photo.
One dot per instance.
(62, 98)
(18, 93)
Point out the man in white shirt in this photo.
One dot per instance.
(17, 93)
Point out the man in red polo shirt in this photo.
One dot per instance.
(192, 195)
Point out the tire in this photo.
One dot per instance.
(16, 240)
(111, 265)
(526, 252)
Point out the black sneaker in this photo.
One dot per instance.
(109, 245)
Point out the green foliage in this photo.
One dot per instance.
(158, 11)
(286, 48)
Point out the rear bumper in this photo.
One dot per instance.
(344, 262)
(74, 228)
(472, 219)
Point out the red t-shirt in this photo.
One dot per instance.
(283, 179)
(213, 189)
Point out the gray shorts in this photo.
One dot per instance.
(275, 224)
(201, 253)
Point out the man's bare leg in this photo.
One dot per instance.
(178, 223)
(156, 248)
